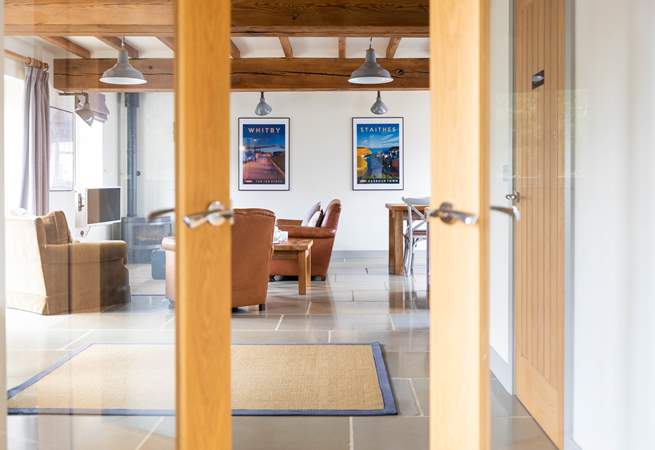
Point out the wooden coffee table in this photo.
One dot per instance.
(301, 251)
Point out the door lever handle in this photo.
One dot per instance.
(215, 214)
(510, 211)
(159, 213)
(449, 216)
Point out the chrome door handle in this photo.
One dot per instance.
(449, 216)
(514, 197)
(215, 214)
(509, 210)
(158, 213)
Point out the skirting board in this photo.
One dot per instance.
(502, 370)
(340, 255)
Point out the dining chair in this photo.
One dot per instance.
(416, 230)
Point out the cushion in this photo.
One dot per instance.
(56, 228)
(315, 220)
(310, 213)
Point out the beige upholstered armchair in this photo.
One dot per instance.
(47, 273)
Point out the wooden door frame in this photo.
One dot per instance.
(459, 317)
(459, 343)
(203, 308)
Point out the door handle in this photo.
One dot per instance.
(514, 197)
(509, 210)
(449, 216)
(215, 214)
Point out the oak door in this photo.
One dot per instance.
(539, 250)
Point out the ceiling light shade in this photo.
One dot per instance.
(122, 72)
(263, 108)
(370, 72)
(379, 107)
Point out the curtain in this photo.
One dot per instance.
(35, 174)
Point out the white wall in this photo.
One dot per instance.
(614, 219)
(321, 158)
(156, 152)
(500, 230)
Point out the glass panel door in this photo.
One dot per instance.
(90, 314)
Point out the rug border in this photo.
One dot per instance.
(384, 382)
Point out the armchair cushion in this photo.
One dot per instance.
(313, 210)
(93, 252)
(297, 232)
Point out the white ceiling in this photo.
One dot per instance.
(250, 47)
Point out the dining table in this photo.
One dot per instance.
(397, 218)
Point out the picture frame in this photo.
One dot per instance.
(263, 154)
(62, 149)
(378, 154)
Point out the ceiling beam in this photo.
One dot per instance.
(342, 47)
(235, 52)
(248, 74)
(116, 44)
(168, 41)
(286, 46)
(68, 45)
(249, 18)
(393, 46)
(90, 18)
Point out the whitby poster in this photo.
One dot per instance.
(263, 154)
(378, 153)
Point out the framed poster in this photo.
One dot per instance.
(378, 153)
(263, 154)
(62, 150)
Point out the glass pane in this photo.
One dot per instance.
(90, 333)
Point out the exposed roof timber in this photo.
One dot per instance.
(248, 74)
(393, 46)
(116, 43)
(168, 41)
(342, 47)
(236, 53)
(286, 46)
(68, 45)
(249, 18)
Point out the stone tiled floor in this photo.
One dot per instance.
(358, 303)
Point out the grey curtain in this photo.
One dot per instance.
(35, 175)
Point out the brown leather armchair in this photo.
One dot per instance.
(323, 237)
(252, 245)
(48, 273)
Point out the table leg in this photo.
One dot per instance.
(396, 243)
(309, 268)
(302, 272)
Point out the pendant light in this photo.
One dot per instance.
(370, 72)
(379, 107)
(263, 108)
(123, 73)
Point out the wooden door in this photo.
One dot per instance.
(459, 342)
(203, 262)
(539, 152)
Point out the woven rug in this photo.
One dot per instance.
(137, 380)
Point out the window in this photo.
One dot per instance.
(62, 150)
(14, 99)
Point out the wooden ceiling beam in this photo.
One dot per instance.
(249, 18)
(235, 52)
(393, 46)
(342, 47)
(68, 45)
(248, 74)
(286, 46)
(116, 44)
(168, 41)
